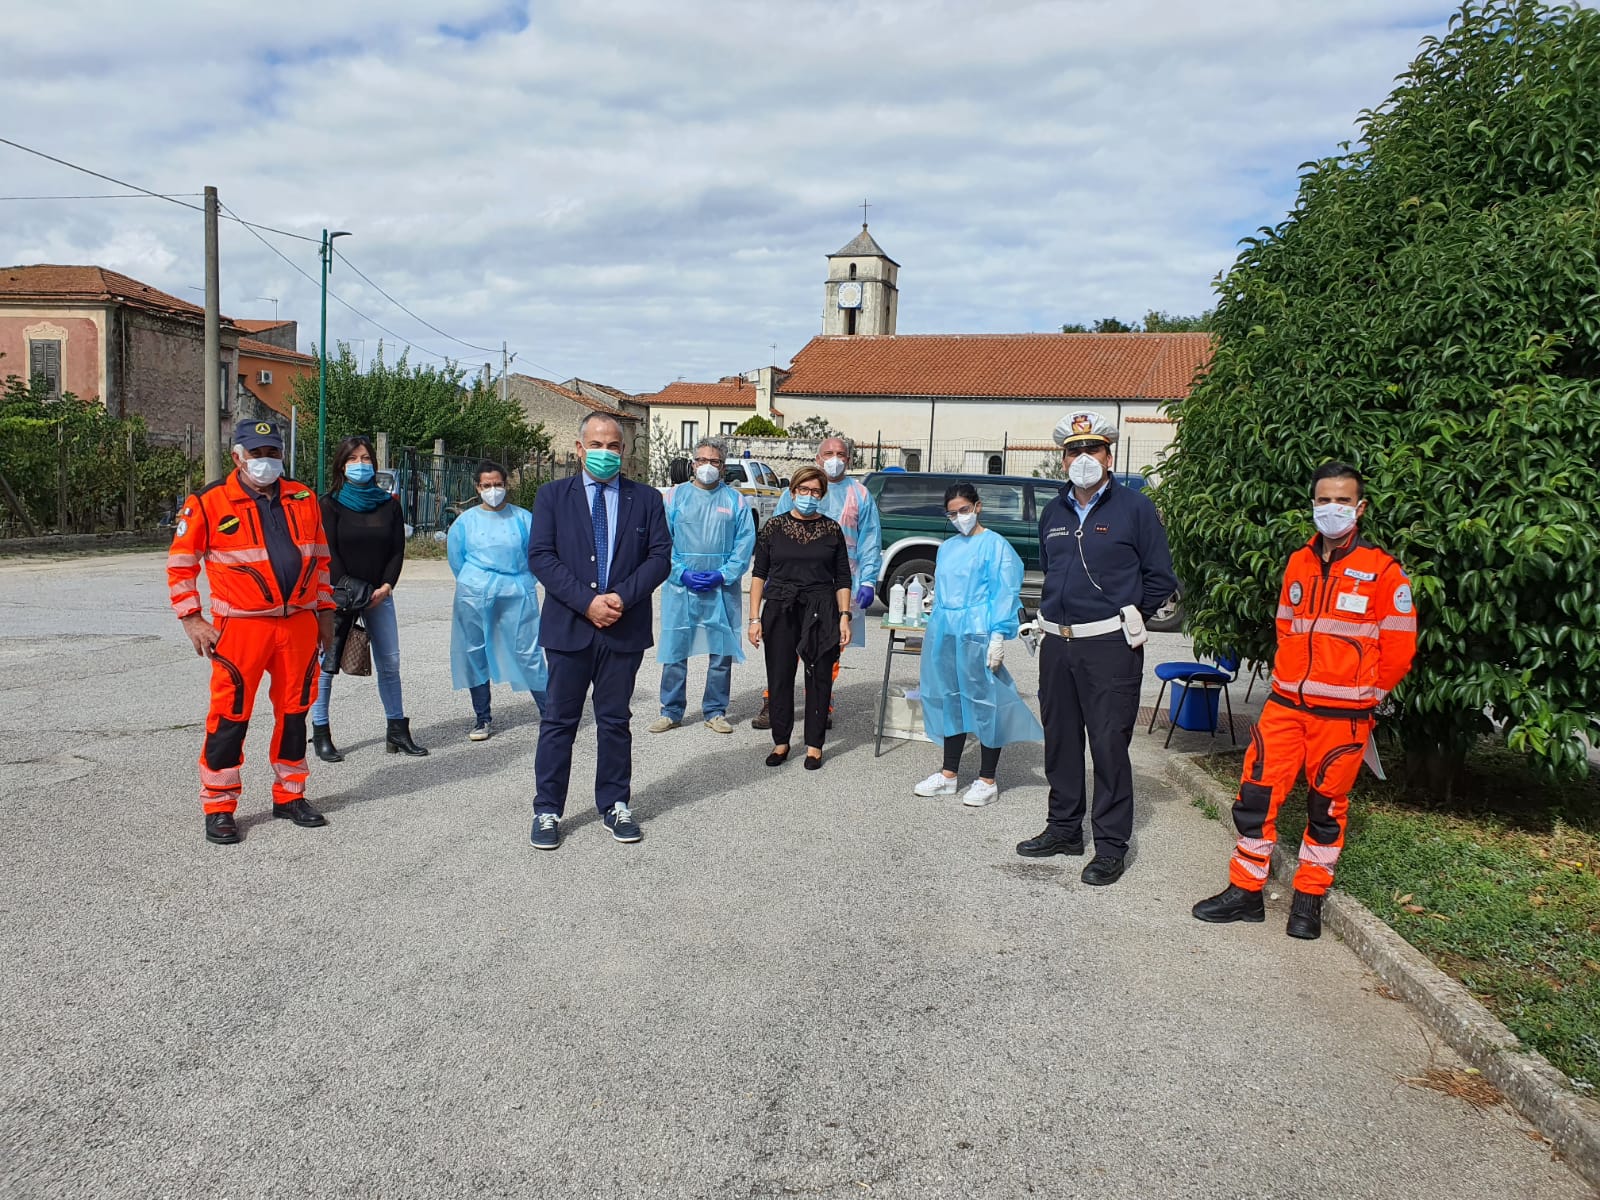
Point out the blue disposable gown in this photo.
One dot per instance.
(711, 531)
(848, 502)
(976, 590)
(494, 625)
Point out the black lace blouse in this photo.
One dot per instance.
(794, 555)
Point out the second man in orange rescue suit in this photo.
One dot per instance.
(260, 537)
(1347, 632)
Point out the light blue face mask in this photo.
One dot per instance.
(359, 472)
(807, 505)
(602, 464)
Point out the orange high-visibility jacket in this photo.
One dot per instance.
(1347, 629)
(221, 525)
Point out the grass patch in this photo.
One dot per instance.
(1500, 888)
(423, 545)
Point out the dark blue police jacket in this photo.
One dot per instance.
(1124, 551)
(561, 556)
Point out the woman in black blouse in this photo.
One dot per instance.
(366, 534)
(802, 570)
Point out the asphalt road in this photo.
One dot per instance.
(798, 985)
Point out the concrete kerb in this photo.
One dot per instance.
(1536, 1089)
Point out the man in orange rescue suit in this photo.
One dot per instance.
(1347, 633)
(271, 605)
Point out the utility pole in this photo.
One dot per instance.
(505, 370)
(213, 346)
(322, 362)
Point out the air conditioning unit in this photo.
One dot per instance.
(263, 376)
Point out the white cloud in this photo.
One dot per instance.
(632, 191)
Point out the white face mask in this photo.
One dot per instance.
(833, 467)
(707, 474)
(494, 497)
(1086, 471)
(965, 522)
(1334, 520)
(263, 471)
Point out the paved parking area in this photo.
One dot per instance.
(799, 984)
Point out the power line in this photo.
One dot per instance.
(412, 315)
(317, 283)
(171, 198)
(106, 196)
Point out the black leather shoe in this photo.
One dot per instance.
(777, 760)
(300, 812)
(398, 739)
(813, 763)
(763, 719)
(1103, 869)
(1231, 904)
(1050, 842)
(322, 743)
(221, 829)
(1305, 917)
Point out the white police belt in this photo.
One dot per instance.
(1091, 629)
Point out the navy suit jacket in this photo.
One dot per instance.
(561, 556)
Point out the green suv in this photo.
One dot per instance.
(911, 506)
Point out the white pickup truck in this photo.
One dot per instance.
(756, 481)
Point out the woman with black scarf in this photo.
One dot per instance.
(366, 534)
(802, 571)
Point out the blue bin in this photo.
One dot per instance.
(1198, 710)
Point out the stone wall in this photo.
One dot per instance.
(161, 364)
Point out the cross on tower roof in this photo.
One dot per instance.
(864, 207)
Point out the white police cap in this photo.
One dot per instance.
(1084, 426)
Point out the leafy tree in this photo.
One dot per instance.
(1428, 312)
(813, 429)
(415, 406)
(1075, 327)
(1165, 322)
(759, 426)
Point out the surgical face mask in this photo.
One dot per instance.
(807, 505)
(1334, 520)
(707, 474)
(494, 497)
(263, 471)
(1086, 471)
(833, 468)
(359, 472)
(965, 522)
(602, 464)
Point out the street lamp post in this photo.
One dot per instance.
(322, 364)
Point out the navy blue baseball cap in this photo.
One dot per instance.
(255, 433)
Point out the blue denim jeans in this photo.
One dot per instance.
(481, 707)
(675, 688)
(384, 632)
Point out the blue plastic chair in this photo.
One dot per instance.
(1190, 675)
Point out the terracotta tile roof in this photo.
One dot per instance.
(251, 325)
(45, 282)
(730, 393)
(249, 345)
(1054, 366)
(575, 397)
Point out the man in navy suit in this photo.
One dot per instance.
(600, 546)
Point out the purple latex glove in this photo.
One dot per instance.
(714, 580)
(687, 579)
(864, 597)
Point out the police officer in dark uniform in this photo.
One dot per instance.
(1107, 569)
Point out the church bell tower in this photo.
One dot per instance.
(862, 294)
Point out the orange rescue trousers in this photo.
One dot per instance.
(1285, 741)
(286, 649)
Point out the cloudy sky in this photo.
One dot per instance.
(636, 191)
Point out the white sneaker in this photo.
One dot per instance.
(980, 793)
(662, 724)
(937, 784)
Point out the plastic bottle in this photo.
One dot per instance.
(914, 602)
(897, 604)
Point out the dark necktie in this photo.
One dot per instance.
(597, 512)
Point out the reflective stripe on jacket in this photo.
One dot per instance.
(1347, 628)
(221, 526)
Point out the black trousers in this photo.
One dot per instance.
(780, 641)
(988, 763)
(1090, 687)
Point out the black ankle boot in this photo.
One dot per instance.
(1305, 916)
(322, 743)
(399, 739)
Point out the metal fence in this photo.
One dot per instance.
(434, 489)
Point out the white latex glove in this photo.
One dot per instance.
(997, 650)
